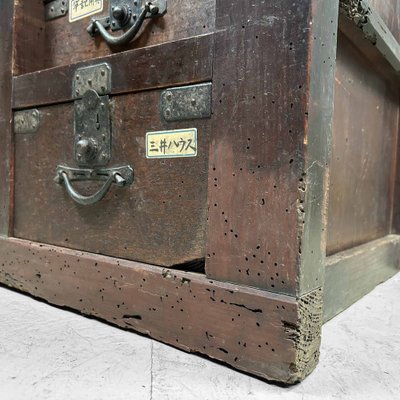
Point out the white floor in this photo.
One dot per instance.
(47, 353)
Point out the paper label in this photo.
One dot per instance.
(172, 144)
(79, 9)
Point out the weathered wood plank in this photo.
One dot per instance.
(29, 36)
(362, 24)
(188, 61)
(270, 335)
(6, 136)
(363, 162)
(160, 219)
(351, 274)
(268, 157)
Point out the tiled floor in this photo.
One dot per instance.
(47, 353)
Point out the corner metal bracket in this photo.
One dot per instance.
(186, 103)
(55, 8)
(27, 121)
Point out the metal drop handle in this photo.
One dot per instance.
(121, 176)
(120, 13)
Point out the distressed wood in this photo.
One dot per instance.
(189, 61)
(389, 11)
(29, 36)
(67, 43)
(160, 219)
(268, 159)
(6, 137)
(270, 335)
(353, 273)
(362, 24)
(363, 163)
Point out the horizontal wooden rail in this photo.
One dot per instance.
(351, 274)
(362, 24)
(171, 64)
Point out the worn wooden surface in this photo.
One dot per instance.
(161, 219)
(353, 273)
(29, 36)
(269, 335)
(6, 136)
(362, 24)
(259, 183)
(67, 43)
(188, 61)
(366, 124)
(389, 11)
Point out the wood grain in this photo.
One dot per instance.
(353, 273)
(261, 190)
(161, 219)
(67, 43)
(6, 136)
(269, 335)
(173, 64)
(366, 123)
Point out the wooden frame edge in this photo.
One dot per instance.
(361, 23)
(353, 273)
(273, 336)
(6, 132)
(192, 58)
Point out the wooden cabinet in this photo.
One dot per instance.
(224, 182)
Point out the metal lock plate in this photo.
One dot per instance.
(123, 13)
(26, 121)
(186, 103)
(92, 145)
(55, 8)
(96, 77)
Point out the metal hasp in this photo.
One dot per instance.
(26, 121)
(186, 103)
(92, 136)
(55, 8)
(127, 15)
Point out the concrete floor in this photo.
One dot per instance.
(47, 353)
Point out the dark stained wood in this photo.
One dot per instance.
(254, 331)
(6, 137)
(183, 62)
(259, 182)
(353, 273)
(29, 36)
(366, 124)
(70, 43)
(161, 219)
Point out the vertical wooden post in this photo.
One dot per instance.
(6, 133)
(273, 95)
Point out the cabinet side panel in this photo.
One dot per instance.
(363, 152)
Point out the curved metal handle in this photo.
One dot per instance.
(120, 176)
(88, 200)
(97, 26)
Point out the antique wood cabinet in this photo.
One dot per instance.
(220, 175)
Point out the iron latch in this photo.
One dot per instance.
(92, 136)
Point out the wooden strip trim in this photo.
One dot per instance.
(361, 23)
(172, 64)
(353, 273)
(6, 135)
(269, 335)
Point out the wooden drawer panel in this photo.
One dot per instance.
(160, 219)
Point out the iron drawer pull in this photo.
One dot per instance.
(124, 16)
(121, 176)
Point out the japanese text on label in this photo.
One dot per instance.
(82, 8)
(172, 144)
